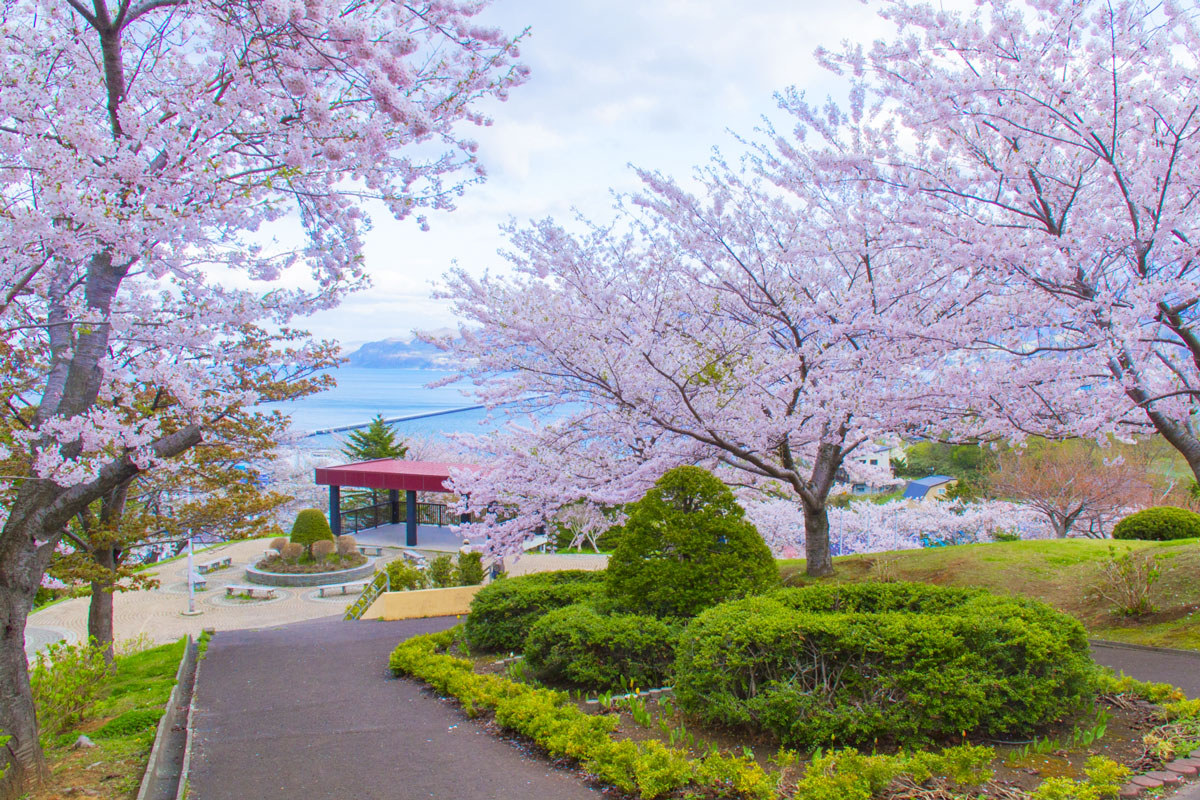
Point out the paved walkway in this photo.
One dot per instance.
(157, 614)
(1176, 667)
(309, 710)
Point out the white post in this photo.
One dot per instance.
(191, 579)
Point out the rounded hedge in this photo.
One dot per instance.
(1159, 524)
(311, 526)
(576, 646)
(687, 546)
(502, 612)
(896, 662)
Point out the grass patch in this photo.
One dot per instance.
(1062, 573)
(122, 726)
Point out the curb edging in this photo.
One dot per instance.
(160, 778)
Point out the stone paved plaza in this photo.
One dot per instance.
(157, 614)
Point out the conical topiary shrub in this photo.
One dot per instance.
(310, 526)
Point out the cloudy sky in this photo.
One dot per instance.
(656, 83)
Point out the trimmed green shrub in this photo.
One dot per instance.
(441, 572)
(649, 769)
(1159, 524)
(310, 526)
(130, 723)
(576, 646)
(850, 775)
(502, 612)
(899, 662)
(403, 576)
(469, 569)
(872, 597)
(687, 546)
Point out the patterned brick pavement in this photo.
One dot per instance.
(157, 614)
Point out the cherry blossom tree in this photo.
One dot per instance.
(586, 522)
(866, 527)
(150, 151)
(1054, 154)
(1077, 485)
(759, 326)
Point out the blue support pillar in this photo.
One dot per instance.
(335, 510)
(410, 518)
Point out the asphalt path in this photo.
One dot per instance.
(1177, 667)
(309, 710)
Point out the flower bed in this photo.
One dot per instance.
(267, 578)
(309, 566)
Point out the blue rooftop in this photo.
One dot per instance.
(916, 490)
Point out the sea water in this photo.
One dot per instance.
(362, 393)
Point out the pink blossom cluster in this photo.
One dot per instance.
(867, 527)
(149, 153)
(994, 238)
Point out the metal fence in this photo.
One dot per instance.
(360, 518)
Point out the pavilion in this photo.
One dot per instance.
(393, 475)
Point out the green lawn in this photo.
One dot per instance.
(122, 726)
(1062, 573)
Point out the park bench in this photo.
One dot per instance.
(539, 543)
(215, 564)
(413, 557)
(345, 587)
(270, 552)
(199, 581)
(245, 588)
(370, 549)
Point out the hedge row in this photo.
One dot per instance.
(580, 647)
(503, 612)
(905, 663)
(649, 769)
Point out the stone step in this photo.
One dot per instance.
(1164, 776)
(1182, 767)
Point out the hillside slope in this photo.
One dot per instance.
(1063, 573)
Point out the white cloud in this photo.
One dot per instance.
(657, 84)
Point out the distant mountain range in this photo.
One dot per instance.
(407, 352)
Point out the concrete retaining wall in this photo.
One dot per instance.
(450, 602)
(311, 578)
(162, 779)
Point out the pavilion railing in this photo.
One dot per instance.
(373, 515)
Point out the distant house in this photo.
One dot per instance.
(930, 488)
(875, 456)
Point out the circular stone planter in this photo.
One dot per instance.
(310, 578)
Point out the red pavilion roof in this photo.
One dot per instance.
(390, 473)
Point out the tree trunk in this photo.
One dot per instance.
(22, 756)
(100, 609)
(819, 561)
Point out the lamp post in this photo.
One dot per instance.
(191, 573)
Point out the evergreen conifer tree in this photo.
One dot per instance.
(377, 440)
